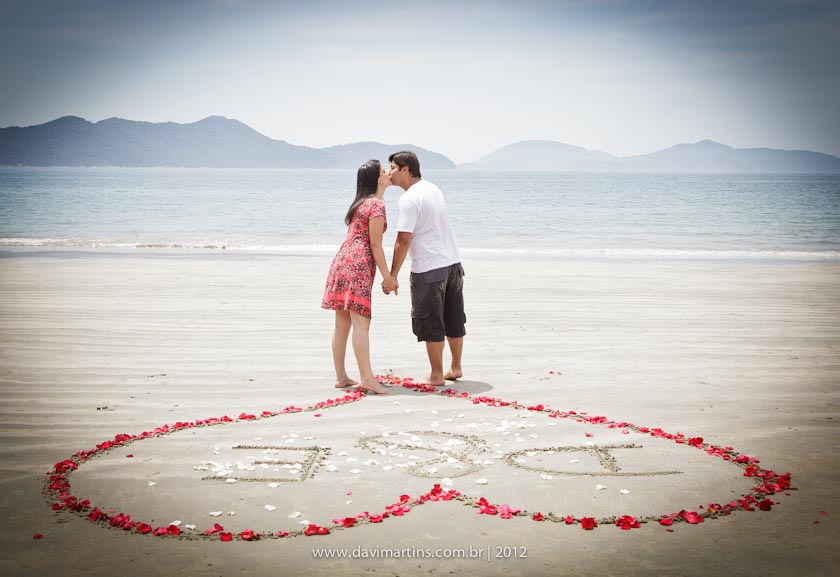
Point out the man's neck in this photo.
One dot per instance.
(412, 182)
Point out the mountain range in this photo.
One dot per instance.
(220, 142)
(214, 142)
(702, 156)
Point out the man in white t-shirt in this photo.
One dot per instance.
(437, 278)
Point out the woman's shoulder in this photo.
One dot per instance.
(373, 204)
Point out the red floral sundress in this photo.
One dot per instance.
(350, 280)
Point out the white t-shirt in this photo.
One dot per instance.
(422, 212)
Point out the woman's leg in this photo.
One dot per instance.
(339, 348)
(361, 347)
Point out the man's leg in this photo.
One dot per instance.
(454, 319)
(456, 347)
(435, 351)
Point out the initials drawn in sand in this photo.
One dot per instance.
(301, 464)
(452, 449)
(457, 453)
(603, 453)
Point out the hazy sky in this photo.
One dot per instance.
(459, 77)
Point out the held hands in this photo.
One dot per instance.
(390, 284)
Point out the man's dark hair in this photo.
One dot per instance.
(409, 159)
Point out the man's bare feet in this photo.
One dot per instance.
(453, 375)
(373, 387)
(346, 382)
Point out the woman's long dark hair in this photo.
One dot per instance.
(367, 181)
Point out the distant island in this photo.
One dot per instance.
(218, 142)
(703, 156)
(214, 142)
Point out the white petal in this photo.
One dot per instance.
(190, 527)
(481, 481)
(270, 507)
(600, 487)
(294, 515)
(215, 513)
(230, 480)
(274, 485)
(176, 523)
(624, 492)
(151, 484)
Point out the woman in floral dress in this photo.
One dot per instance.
(350, 280)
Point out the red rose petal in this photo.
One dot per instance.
(37, 536)
(226, 536)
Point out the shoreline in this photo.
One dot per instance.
(316, 251)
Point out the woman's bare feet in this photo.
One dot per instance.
(436, 380)
(345, 382)
(373, 386)
(453, 375)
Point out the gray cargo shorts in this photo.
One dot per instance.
(437, 303)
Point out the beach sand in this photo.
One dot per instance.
(743, 354)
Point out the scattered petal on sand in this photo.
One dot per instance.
(387, 468)
(600, 487)
(176, 523)
(274, 484)
(190, 527)
(546, 476)
(231, 513)
(215, 513)
(624, 492)
(446, 481)
(270, 507)
(355, 471)
(294, 515)
(481, 481)
(574, 460)
(151, 484)
(230, 480)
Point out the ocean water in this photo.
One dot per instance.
(569, 214)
